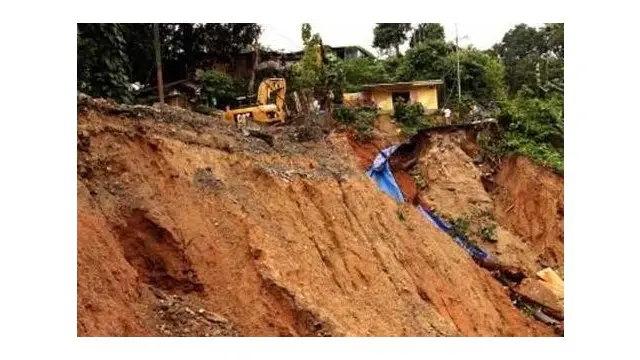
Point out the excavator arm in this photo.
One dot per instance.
(270, 104)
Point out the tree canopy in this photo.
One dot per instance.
(532, 57)
(103, 64)
(114, 55)
(361, 71)
(426, 32)
(390, 36)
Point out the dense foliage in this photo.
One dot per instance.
(426, 32)
(482, 77)
(410, 117)
(218, 88)
(319, 71)
(388, 36)
(111, 56)
(427, 61)
(360, 119)
(532, 57)
(534, 126)
(361, 71)
(103, 65)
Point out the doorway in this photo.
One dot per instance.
(403, 96)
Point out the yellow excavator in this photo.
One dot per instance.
(269, 108)
(270, 99)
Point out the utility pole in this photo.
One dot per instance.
(256, 61)
(156, 43)
(458, 65)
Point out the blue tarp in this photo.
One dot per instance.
(473, 250)
(380, 172)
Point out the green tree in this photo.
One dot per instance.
(139, 48)
(425, 62)
(112, 55)
(307, 71)
(533, 57)
(319, 70)
(482, 76)
(410, 117)
(218, 85)
(387, 36)
(520, 50)
(227, 39)
(360, 71)
(103, 65)
(534, 127)
(553, 35)
(425, 32)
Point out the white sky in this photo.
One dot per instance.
(287, 36)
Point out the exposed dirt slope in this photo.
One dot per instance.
(287, 241)
(516, 214)
(536, 216)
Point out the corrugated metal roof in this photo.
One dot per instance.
(404, 84)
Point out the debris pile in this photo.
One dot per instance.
(176, 316)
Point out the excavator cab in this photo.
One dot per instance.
(269, 107)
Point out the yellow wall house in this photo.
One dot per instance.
(383, 95)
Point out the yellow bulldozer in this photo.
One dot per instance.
(270, 108)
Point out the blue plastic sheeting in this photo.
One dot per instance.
(473, 250)
(380, 172)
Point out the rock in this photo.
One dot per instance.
(552, 281)
(83, 171)
(215, 318)
(536, 291)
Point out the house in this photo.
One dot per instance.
(242, 64)
(182, 93)
(351, 52)
(384, 95)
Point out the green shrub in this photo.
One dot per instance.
(344, 115)
(361, 119)
(489, 233)
(459, 226)
(411, 117)
(218, 85)
(533, 127)
(540, 152)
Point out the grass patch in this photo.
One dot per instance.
(488, 233)
(459, 226)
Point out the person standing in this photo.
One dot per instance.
(447, 116)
